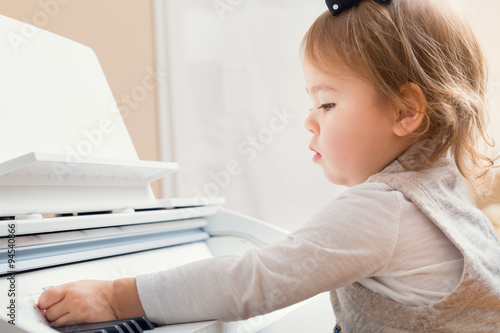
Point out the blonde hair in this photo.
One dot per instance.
(430, 43)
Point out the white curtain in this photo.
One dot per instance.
(238, 103)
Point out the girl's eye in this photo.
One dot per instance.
(327, 106)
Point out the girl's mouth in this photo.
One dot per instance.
(317, 156)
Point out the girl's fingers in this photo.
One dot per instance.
(64, 320)
(56, 311)
(70, 312)
(78, 302)
(51, 296)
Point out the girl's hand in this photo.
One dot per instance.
(79, 302)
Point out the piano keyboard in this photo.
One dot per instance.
(133, 325)
(141, 324)
(138, 325)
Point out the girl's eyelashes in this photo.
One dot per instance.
(326, 106)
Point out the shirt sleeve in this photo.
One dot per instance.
(350, 239)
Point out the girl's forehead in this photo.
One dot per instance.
(327, 67)
(332, 64)
(340, 81)
(331, 77)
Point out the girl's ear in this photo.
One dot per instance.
(411, 116)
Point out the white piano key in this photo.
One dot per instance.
(205, 327)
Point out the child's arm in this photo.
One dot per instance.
(352, 238)
(91, 301)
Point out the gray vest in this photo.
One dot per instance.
(474, 306)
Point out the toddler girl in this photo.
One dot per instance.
(398, 91)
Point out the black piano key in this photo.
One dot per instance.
(104, 327)
(144, 323)
(80, 330)
(75, 328)
(132, 325)
(114, 329)
(125, 327)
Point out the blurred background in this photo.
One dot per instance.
(228, 100)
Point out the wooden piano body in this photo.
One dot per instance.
(75, 200)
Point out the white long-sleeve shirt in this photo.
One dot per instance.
(371, 234)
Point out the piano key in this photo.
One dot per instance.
(144, 323)
(134, 326)
(108, 329)
(126, 328)
(106, 326)
(204, 326)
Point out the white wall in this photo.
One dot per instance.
(231, 69)
(232, 74)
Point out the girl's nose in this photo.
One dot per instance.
(311, 123)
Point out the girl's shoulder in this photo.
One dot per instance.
(370, 195)
(364, 204)
(371, 204)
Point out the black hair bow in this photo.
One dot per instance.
(336, 6)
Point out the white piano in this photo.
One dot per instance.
(75, 200)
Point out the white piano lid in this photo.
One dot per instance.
(56, 102)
